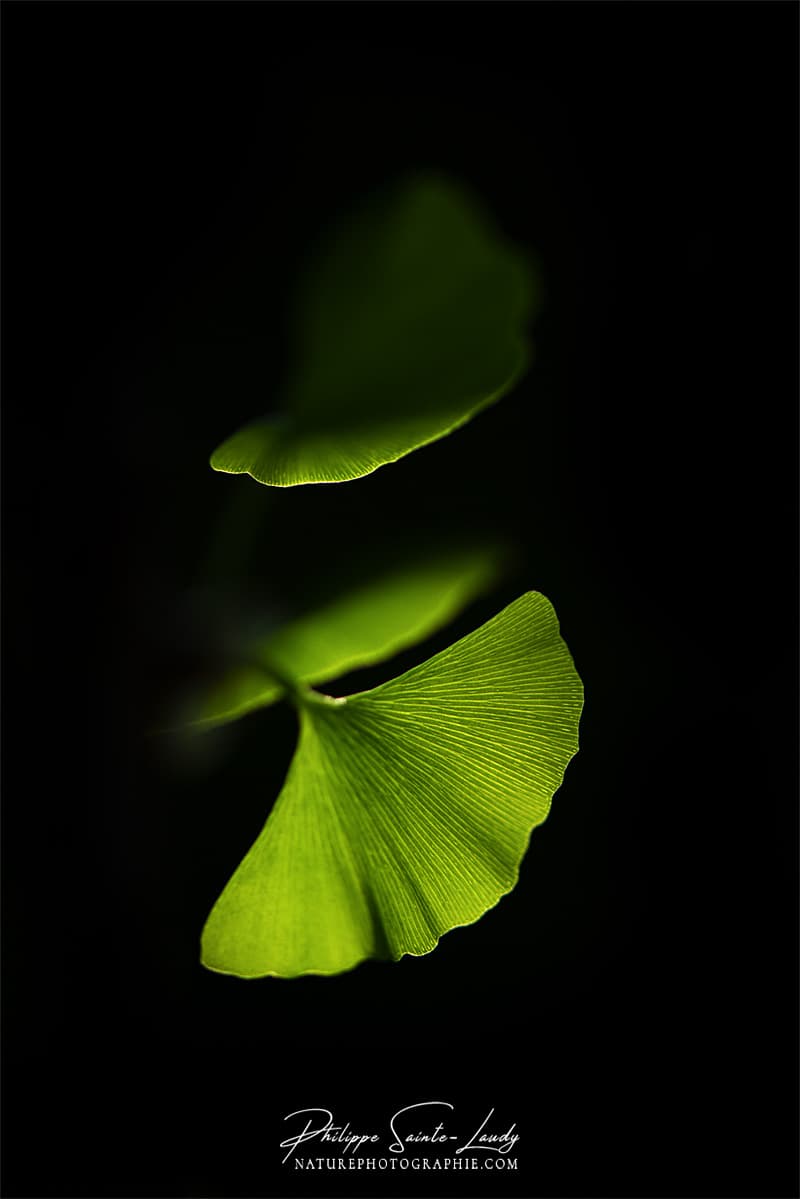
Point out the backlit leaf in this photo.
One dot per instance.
(409, 324)
(369, 623)
(407, 809)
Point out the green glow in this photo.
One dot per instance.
(408, 324)
(367, 624)
(407, 809)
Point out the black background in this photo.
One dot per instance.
(632, 1005)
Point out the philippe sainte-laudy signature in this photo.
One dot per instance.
(410, 1128)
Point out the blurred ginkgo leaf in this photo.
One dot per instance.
(367, 623)
(408, 324)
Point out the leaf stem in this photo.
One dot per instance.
(300, 694)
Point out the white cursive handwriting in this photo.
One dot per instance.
(492, 1142)
(330, 1132)
(433, 1138)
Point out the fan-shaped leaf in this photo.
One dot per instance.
(409, 324)
(407, 809)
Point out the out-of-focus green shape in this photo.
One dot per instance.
(407, 809)
(367, 624)
(408, 324)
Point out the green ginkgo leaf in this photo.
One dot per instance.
(366, 624)
(409, 324)
(407, 809)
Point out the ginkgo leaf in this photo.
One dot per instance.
(407, 809)
(409, 323)
(366, 624)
